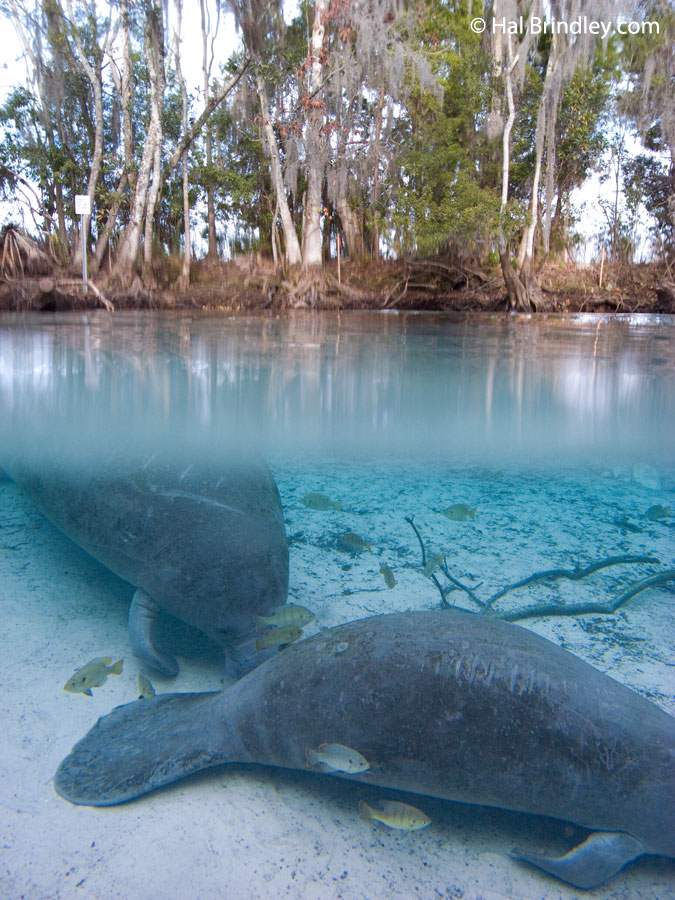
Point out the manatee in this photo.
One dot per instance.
(201, 540)
(448, 703)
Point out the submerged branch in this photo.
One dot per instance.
(453, 581)
(571, 574)
(578, 609)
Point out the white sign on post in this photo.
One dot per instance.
(82, 205)
(83, 208)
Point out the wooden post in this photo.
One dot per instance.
(83, 209)
(339, 244)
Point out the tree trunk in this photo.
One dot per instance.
(526, 249)
(104, 235)
(210, 199)
(515, 288)
(311, 236)
(545, 135)
(127, 254)
(124, 85)
(94, 74)
(349, 220)
(293, 253)
(376, 178)
(184, 280)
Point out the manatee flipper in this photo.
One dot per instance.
(143, 614)
(141, 746)
(242, 657)
(591, 863)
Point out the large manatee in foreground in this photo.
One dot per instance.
(445, 703)
(201, 540)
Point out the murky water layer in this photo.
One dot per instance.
(428, 385)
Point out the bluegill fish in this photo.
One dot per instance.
(278, 637)
(394, 814)
(145, 688)
(389, 579)
(337, 758)
(93, 674)
(654, 513)
(351, 541)
(320, 501)
(459, 512)
(433, 563)
(287, 614)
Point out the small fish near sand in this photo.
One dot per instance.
(93, 674)
(337, 758)
(320, 502)
(654, 513)
(459, 512)
(287, 614)
(145, 688)
(388, 576)
(394, 814)
(433, 562)
(354, 543)
(276, 638)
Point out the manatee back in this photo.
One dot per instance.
(469, 708)
(206, 542)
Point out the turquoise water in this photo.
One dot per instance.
(418, 385)
(558, 434)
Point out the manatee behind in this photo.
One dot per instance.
(200, 538)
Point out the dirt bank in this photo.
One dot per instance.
(244, 285)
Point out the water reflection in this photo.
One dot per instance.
(428, 383)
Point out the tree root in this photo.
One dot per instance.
(318, 290)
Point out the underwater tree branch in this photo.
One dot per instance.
(571, 574)
(409, 520)
(610, 606)
(453, 581)
(639, 586)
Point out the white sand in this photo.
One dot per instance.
(239, 832)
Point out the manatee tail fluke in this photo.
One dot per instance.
(139, 747)
(592, 863)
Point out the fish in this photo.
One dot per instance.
(320, 502)
(395, 814)
(459, 512)
(654, 513)
(434, 561)
(389, 579)
(337, 758)
(93, 674)
(146, 690)
(352, 541)
(287, 614)
(278, 637)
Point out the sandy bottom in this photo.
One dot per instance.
(248, 832)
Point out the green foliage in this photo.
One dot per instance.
(441, 197)
(651, 181)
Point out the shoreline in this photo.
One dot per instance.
(250, 287)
